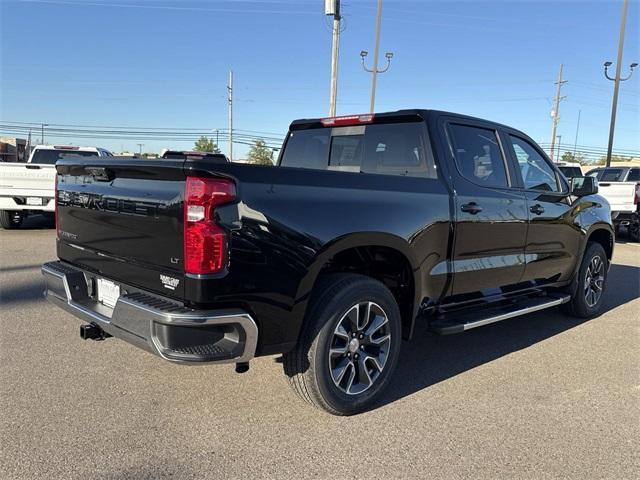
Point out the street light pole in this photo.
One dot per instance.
(376, 49)
(374, 70)
(332, 8)
(617, 79)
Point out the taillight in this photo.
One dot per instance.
(206, 247)
(348, 120)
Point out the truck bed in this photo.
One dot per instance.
(128, 227)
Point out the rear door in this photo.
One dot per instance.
(553, 237)
(490, 217)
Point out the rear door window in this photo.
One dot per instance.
(478, 155)
(386, 149)
(570, 172)
(610, 175)
(634, 175)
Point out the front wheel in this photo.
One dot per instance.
(349, 345)
(587, 299)
(634, 231)
(10, 219)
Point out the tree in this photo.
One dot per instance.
(614, 159)
(260, 154)
(204, 144)
(571, 157)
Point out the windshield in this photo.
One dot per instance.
(50, 157)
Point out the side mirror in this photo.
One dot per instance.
(583, 186)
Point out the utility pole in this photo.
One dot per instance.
(332, 8)
(42, 133)
(140, 145)
(230, 99)
(217, 138)
(376, 49)
(555, 113)
(617, 79)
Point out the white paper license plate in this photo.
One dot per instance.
(108, 292)
(34, 201)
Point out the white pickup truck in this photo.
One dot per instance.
(28, 188)
(621, 187)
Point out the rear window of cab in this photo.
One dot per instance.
(385, 149)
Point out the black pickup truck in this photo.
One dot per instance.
(367, 225)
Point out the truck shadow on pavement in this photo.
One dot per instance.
(429, 358)
(22, 293)
(19, 268)
(37, 222)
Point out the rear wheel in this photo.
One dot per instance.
(10, 219)
(348, 347)
(590, 283)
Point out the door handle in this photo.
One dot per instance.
(471, 207)
(537, 209)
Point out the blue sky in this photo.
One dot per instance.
(164, 63)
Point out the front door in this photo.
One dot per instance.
(554, 232)
(491, 217)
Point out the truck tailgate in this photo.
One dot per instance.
(123, 219)
(620, 195)
(24, 180)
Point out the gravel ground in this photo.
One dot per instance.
(540, 396)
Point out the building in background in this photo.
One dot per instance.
(13, 149)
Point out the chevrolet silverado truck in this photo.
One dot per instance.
(28, 188)
(620, 186)
(368, 225)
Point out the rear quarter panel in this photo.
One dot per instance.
(290, 221)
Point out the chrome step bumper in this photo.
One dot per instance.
(156, 324)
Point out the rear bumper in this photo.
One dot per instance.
(624, 218)
(20, 203)
(156, 324)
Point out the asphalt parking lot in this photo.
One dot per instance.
(541, 396)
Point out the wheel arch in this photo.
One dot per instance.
(604, 235)
(378, 255)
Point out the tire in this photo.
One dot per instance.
(590, 283)
(50, 217)
(633, 230)
(10, 220)
(330, 368)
